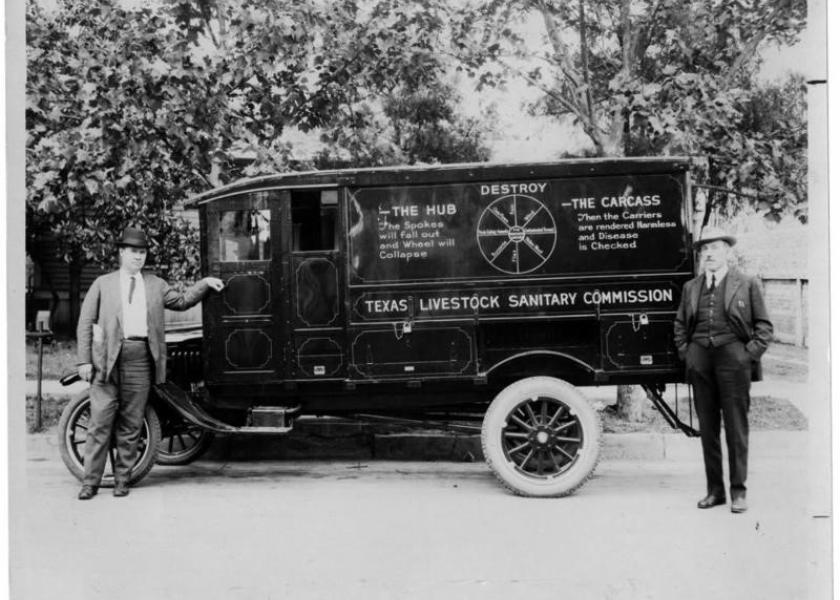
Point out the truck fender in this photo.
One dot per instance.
(530, 354)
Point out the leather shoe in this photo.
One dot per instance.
(87, 492)
(710, 501)
(120, 489)
(739, 505)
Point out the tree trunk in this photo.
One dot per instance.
(631, 400)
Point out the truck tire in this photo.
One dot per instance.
(182, 444)
(541, 437)
(72, 427)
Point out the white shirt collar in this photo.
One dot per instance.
(125, 275)
(719, 275)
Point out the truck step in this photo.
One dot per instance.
(261, 420)
(271, 417)
(263, 430)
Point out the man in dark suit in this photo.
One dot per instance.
(122, 350)
(721, 331)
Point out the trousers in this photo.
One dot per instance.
(720, 377)
(117, 407)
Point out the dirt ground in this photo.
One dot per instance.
(317, 529)
(786, 362)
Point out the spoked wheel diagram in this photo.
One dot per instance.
(516, 234)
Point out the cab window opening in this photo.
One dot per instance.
(314, 214)
(244, 235)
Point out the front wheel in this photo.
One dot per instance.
(541, 437)
(72, 436)
(182, 443)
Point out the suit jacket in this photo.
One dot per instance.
(99, 334)
(745, 313)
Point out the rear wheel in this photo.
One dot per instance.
(541, 437)
(72, 437)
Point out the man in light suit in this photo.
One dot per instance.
(121, 351)
(721, 331)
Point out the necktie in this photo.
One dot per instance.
(131, 289)
(712, 287)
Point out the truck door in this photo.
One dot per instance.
(316, 280)
(243, 324)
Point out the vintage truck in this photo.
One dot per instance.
(457, 294)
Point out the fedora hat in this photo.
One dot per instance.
(711, 234)
(133, 237)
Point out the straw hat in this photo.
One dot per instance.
(711, 234)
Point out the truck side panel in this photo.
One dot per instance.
(585, 270)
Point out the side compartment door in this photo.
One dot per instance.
(242, 324)
(436, 350)
(316, 280)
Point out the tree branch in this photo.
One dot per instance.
(627, 40)
(561, 53)
(744, 56)
(644, 37)
(579, 102)
(750, 48)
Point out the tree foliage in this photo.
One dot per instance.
(415, 123)
(132, 109)
(644, 77)
(110, 138)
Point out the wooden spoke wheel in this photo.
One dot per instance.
(541, 437)
(182, 443)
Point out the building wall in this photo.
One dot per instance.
(779, 256)
(787, 302)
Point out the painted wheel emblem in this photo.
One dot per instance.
(516, 234)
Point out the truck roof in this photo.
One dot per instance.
(447, 173)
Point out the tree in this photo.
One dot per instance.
(773, 130)
(130, 110)
(427, 128)
(363, 68)
(644, 77)
(99, 154)
(414, 123)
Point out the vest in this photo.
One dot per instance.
(712, 328)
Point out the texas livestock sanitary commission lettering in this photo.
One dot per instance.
(491, 302)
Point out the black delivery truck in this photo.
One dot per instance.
(475, 295)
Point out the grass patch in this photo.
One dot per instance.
(50, 412)
(766, 414)
(59, 358)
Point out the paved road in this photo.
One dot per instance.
(389, 530)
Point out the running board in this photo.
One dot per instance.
(667, 412)
(181, 403)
